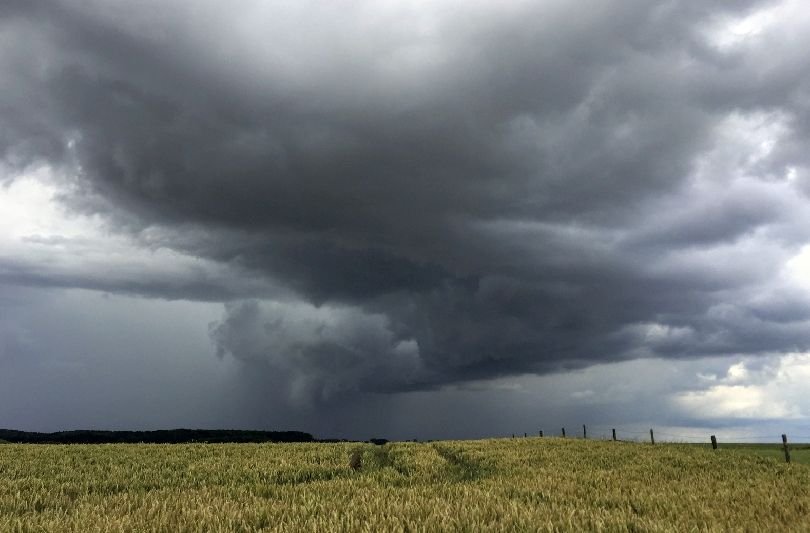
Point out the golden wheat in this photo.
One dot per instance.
(494, 485)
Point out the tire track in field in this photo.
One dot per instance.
(460, 467)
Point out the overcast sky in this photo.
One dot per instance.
(412, 219)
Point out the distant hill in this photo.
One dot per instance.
(163, 436)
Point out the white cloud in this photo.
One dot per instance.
(774, 390)
(732, 401)
(797, 268)
(728, 32)
(737, 372)
(31, 210)
(42, 239)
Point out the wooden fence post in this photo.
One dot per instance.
(785, 446)
(541, 433)
(525, 435)
(714, 442)
(584, 432)
(614, 433)
(652, 437)
(563, 429)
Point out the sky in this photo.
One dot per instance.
(406, 219)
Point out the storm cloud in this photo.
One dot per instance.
(408, 196)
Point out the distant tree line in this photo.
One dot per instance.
(163, 436)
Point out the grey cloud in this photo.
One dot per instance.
(320, 352)
(134, 363)
(510, 189)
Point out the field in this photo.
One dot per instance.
(799, 453)
(499, 485)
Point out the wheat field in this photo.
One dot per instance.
(528, 484)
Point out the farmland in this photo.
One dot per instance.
(501, 485)
(799, 453)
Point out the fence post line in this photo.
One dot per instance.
(563, 430)
(584, 432)
(541, 433)
(525, 435)
(714, 442)
(614, 434)
(785, 446)
(652, 437)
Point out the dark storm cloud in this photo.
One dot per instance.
(467, 191)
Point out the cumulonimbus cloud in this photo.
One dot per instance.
(477, 184)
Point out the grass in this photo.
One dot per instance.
(799, 453)
(492, 485)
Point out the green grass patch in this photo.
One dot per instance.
(799, 453)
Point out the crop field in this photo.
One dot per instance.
(528, 484)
